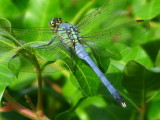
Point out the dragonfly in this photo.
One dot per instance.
(72, 37)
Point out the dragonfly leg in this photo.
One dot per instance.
(50, 42)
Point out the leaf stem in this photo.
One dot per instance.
(82, 11)
(34, 61)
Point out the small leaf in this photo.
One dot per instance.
(140, 82)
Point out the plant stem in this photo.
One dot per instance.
(34, 61)
(19, 108)
(82, 11)
(39, 108)
(142, 112)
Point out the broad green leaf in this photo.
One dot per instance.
(87, 79)
(133, 53)
(67, 114)
(141, 83)
(145, 9)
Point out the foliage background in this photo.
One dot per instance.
(140, 78)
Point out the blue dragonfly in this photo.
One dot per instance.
(73, 38)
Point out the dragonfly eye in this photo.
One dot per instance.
(55, 22)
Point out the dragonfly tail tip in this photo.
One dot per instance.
(123, 104)
(121, 101)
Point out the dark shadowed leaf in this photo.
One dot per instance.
(141, 83)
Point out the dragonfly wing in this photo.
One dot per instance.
(124, 33)
(105, 15)
(94, 14)
(29, 34)
(127, 33)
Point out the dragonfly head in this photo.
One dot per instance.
(55, 22)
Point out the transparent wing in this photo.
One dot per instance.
(30, 34)
(94, 14)
(102, 42)
(125, 33)
(106, 14)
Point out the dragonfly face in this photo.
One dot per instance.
(55, 22)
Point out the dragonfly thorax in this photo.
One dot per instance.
(68, 34)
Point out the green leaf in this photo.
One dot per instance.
(67, 114)
(140, 82)
(6, 78)
(134, 53)
(88, 81)
(145, 9)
